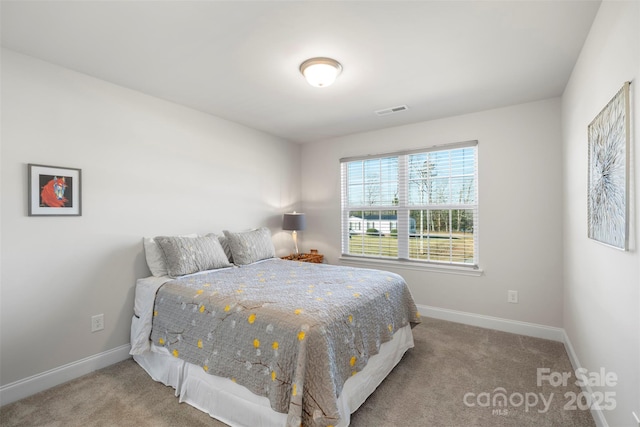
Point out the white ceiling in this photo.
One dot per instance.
(239, 60)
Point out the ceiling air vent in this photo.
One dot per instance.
(392, 110)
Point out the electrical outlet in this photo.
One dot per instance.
(512, 297)
(97, 322)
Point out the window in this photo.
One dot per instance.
(417, 206)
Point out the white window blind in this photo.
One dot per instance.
(417, 205)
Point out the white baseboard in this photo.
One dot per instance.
(40, 382)
(497, 323)
(597, 415)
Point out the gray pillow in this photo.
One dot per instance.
(185, 255)
(250, 246)
(155, 257)
(224, 242)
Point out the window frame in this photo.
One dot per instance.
(403, 207)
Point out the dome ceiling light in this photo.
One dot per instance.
(320, 72)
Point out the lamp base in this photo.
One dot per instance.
(294, 234)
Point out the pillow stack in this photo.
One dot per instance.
(176, 256)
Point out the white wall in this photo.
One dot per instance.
(602, 285)
(149, 167)
(520, 199)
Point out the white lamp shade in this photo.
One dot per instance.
(320, 72)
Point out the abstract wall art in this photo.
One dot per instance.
(608, 181)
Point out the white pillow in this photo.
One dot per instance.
(155, 256)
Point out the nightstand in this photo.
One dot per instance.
(315, 258)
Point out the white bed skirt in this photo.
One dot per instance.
(236, 406)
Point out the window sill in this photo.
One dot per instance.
(409, 265)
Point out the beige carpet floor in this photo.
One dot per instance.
(450, 378)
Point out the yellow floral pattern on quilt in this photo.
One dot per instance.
(273, 326)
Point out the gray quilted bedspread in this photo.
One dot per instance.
(293, 332)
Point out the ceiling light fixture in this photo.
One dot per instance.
(320, 72)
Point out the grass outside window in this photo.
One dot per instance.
(457, 248)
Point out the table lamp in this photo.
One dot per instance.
(294, 222)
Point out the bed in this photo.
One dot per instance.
(262, 341)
